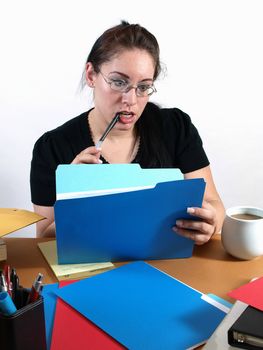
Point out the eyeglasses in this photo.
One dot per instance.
(122, 86)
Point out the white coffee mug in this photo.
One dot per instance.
(242, 232)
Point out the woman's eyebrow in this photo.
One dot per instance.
(127, 77)
(120, 73)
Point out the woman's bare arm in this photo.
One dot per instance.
(46, 227)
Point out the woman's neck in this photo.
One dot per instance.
(120, 146)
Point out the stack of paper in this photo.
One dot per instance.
(70, 271)
(3, 253)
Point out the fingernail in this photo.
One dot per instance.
(100, 161)
(190, 210)
(174, 228)
(179, 222)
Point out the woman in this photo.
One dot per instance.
(121, 69)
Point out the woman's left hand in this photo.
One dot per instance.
(199, 231)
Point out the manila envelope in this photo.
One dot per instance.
(12, 219)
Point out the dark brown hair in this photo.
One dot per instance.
(124, 36)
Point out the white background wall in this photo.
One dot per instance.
(214, 58)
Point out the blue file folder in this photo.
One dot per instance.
(50, 300)
(144, 308)
(134, 225)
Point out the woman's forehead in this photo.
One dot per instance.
(131, 61)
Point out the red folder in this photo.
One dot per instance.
(73, 331)
(250, 293)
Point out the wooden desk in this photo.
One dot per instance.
(210, 270)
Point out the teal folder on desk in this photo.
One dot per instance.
(132, 225)
(144, 308)
(50, 300)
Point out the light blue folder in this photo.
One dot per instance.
(72, 178)
(144, 308)
(134, 225)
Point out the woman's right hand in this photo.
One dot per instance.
(90, 155)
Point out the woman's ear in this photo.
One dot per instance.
(90, 75)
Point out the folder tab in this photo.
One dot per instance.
(78, 180)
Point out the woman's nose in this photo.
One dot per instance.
(130, 96)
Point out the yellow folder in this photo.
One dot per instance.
(70, 271)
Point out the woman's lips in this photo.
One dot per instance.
(126, 118)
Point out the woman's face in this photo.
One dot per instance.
(134, 67)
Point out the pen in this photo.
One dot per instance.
(108, 129)
(3, 284)
(15, 284)
(35, 289)
(7, 307)
(7, 278)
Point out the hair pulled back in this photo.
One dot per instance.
(124, 36)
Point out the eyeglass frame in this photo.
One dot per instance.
(129, 86)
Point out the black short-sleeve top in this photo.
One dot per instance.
(174, 134)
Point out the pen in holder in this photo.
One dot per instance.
(25, 328)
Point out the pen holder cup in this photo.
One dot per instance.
(25, 329)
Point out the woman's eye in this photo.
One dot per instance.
(119, 83)
(143, 87)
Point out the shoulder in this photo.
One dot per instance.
(65, 131)
(71, 127)
(169, 119)
(167, 114)
(61, 142)
(175, 131)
